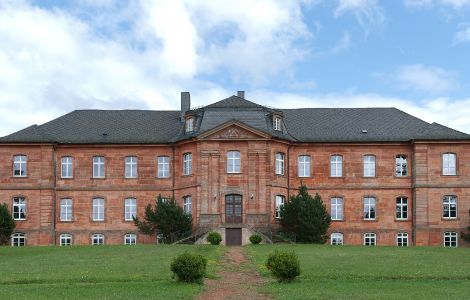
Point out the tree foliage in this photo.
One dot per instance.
(7, 224)
(165, 218)
(305, 217)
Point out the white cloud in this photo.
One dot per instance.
(462, 36)
(367, 12)
(343, 43)
(455, 4)
(427, 79)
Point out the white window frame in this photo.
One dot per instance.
(187, 205)
(336, 166)
(66, 210)
(370, 206)
(337, 238)
(130, 239)
(280, 159)
(130, 167)
(304, 165)
(163, 166)
(233, 162)
(450, 204)
(20, 165)
(449, 164)
(18, 239)
(337, 208)
(369, 165)
(130, 209)
(450, 239)
(401, 165)
(65, 239)
(19, 209)
(402, 239)
(98, 212)
(401, 208)
(280, 201)
(97, 239)
(370, 239)
(66, 167)
(189, 125)
(187, 163)
(99, 162)
(277, 123)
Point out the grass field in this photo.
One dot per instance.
(371, 273)
(104, 272)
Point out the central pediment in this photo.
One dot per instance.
(233, 130)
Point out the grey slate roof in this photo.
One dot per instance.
(301, 125)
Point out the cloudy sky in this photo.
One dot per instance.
(411, 54)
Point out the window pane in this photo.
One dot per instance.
(163, 166)
(336, 166)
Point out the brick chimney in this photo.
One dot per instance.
(185, 104)
(241, 94)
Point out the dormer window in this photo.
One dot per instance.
(189, 124)
(277, 123)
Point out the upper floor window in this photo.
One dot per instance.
(402, 239)
(98, 209)
(304, 166)
(130, 167)
(130, 209)
(280, 163)
(189, 125)
(98, 167)
(401, 165)
(336, 166)
(19, 208)
(187, 164)
(449, 207)
(337, 208)
(187, 205)
(280, 200)
(369, 239)
(18, 239)
(277, 123)
(65, 239)
(369, 166)
(401, 208)
(369, 208)
(336, 238)
(130, 239)
(449, 164)
(66, 167)
(233, 162)
(450, 239)
(66, 210)
(97, 239)
(20, 165)
(163, 168)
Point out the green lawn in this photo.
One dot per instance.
(103, 272)
(347, 272)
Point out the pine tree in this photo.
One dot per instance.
(7, 224)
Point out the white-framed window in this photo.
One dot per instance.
(66, 210)
(401, 165)
(65, 239)
(277, 123)
(18, 239)
(401, 208)
(337, 208)
(336, 166)
(369, 166)
(304, 165)
(19, 208)
(187, 164)
(130, 209)
(369, 239)
(189, 125)
(187, 205)
(97, 239)
(98, 209)
(451, 239)
(402, 239)
(20, 163)
(130, 239)
(280, 200)
(449, 207)
(130, 167)
(98, 167)
(163, 166)
(66, 167)
(233, 162)
(336, 238)
(449, 164)
(280, 163)
(369, 208)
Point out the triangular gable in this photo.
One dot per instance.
(233, 130)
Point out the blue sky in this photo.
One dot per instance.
(57, 56)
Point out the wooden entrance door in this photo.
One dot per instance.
(233, 236)
(233, 209)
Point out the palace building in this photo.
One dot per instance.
(386, 177)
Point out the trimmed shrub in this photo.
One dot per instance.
(214, 238)
(255, 239)
(285, 266)
(189, 267)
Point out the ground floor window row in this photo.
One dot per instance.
(449, 239)
(66, 239)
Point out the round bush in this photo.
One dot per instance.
(285, 266)
(255, 239)
(214, 238)
(189, 267)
